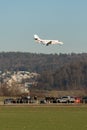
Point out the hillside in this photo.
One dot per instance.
(59, 72)
(37, 62)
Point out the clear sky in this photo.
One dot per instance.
(65, 20)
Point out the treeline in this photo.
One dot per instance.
(37, 62)
(57, 71)
(71, 76)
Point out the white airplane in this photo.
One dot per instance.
(46, 42)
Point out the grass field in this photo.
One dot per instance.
(43, 118)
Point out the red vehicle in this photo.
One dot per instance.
(78, 100)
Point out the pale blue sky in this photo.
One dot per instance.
(65, 20)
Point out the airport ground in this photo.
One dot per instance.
(43, 117)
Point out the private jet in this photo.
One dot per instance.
(46, 42)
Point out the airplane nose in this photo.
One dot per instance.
(62, 43)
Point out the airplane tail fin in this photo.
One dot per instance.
(36, 37)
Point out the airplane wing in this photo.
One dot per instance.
(48, 43)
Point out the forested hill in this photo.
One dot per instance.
(38, 62)
(61, 72)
